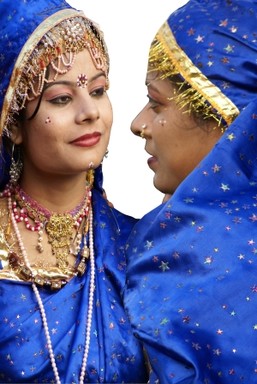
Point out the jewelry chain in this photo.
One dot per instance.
(41, 305)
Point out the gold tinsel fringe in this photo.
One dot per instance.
(186, 97)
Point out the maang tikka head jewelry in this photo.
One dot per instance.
(142, 134)
(82, 80)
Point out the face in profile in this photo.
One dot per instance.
(175, 140)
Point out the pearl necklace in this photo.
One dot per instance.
(41, 305)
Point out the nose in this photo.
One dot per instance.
(87, 108)
(137, 126)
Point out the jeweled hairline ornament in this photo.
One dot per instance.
(55, 42)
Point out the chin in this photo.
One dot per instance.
(162, 186)
(158, 185)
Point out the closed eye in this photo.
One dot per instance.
(153, 103)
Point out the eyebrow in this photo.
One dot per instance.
(72, 83)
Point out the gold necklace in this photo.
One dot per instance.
(59, 227)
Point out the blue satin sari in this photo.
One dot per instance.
(192, 269)
(115, 356)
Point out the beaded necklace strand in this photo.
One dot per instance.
(26, 210)
(41, 305)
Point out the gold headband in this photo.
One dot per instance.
(202, 96)
(70, 33)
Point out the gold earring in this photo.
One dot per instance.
(15, 167)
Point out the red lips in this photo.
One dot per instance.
(87, 140)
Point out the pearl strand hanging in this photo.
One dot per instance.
(41, 305)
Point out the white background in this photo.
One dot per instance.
(129, 27)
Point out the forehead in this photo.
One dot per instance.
(83, 64)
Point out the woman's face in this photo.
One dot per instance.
(175, 141)
(70, 131)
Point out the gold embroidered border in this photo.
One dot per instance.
(223, 105)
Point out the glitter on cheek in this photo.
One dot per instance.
(162, 122)
(82, 80)
(48, 120)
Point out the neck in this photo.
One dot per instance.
(60, 195)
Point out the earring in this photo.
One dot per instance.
(142, 134)
(15, 167)
(106, 153)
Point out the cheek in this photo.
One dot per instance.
(48, 120)
(39, 131)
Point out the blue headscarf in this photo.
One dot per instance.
(192, 269)
(23, 25)
(212, 45)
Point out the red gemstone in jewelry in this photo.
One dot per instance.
(13, 259)
(82, 80)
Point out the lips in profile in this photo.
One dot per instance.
(151, 161)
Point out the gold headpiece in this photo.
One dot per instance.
(195, 92)
(57, 48)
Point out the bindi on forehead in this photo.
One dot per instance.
(82, 80)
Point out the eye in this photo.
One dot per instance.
(98, 92)
(60, 100)
(153, 103)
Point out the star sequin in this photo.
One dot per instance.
(191, 32)
(225, 60)
(253, 217)
(208, 260)
(223, 23)
(233, 29)
(149, 244)
(217, 352)
(176, 255)
(199, 39)
(189, 200)
(196, 346)
(254, 289)
(225, 85)
(231, 137)
(224, 187)
(164, 321)
(164, 266)
(229, 48)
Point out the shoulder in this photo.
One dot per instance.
(108, 219)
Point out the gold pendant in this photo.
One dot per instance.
(60, 229)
